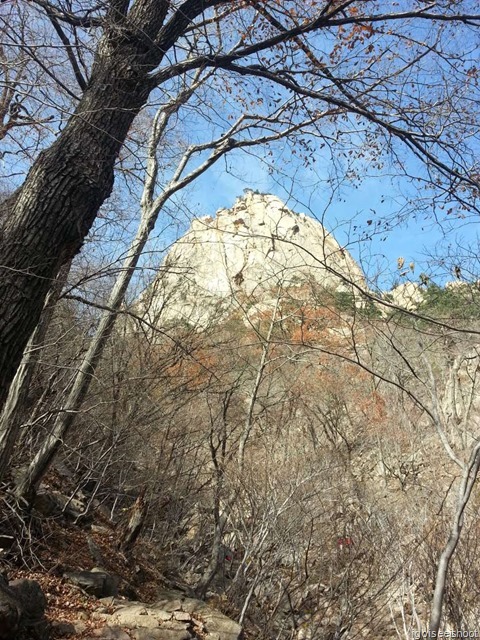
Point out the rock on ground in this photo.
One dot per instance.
(172, 617)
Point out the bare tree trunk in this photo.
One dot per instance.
(220, 519)
(215, 553)
(46, 221)
(249, 420)
(135, 523)
(39, 465)
(10, 418)
(468, 480)
(150, 211)
(55, 209)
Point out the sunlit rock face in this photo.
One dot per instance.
(408, 295)
(243, 257)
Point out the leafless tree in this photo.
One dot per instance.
(144, 46)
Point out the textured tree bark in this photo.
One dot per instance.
(44, 224)
(135, 523)
(49, 221)
(28, 483)
(26, 486)
(11, 416)
(56, 207)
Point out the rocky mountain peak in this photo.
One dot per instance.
(246, 253)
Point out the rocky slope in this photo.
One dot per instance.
(243, 256)
(57, 594)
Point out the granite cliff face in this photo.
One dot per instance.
(243, 257)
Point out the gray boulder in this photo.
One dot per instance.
(96, 583)
(172, 617)
(22, 608)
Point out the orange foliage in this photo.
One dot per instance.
(195, 372)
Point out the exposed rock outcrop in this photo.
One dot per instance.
(56, 504)
(408, 295)
(96, 583)
(172, 617)
(22, 608)
(243, 256)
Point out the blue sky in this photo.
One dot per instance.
(345, 210)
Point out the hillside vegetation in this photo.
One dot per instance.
(299, 458)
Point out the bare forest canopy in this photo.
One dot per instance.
(248, 383)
